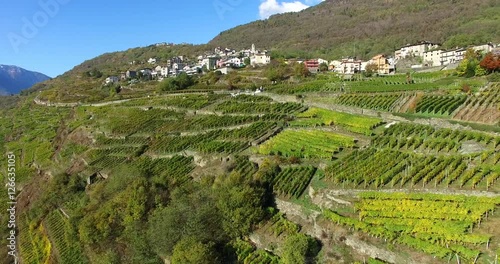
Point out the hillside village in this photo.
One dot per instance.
(429, 55)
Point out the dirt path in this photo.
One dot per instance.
(410, 103)
(355, 192)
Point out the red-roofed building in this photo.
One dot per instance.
(312, 65)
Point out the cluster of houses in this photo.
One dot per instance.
(350, 66)
(221, 59)
(431, 55)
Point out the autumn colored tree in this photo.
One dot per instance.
(491, 63)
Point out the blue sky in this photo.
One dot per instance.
(53, 36)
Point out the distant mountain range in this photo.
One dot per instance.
(14, 79)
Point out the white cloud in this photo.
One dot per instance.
(271, 7)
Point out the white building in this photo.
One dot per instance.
(164, 72)
(350, 66)
(260, 59)
(178, 66)
(452, 56)
(440, 57)
(485, 48)
(334, 65)
(415, 50)
(432, 58)
(152, 61)
(112, 79)
(321, 61)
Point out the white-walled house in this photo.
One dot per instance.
(152, 61)
(334, 65)
(485, 48)
(112, 79)
(452, 56)
(415, 50)
(321, 61)
(432, 58)
(350, 66)
(441, 57)
(178, 66)
(235, 61)
(260, 59)
(164, 72)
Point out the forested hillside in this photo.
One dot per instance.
(363, 28)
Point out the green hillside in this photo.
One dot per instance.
(309, 172)
(363, 28)
(312, 168)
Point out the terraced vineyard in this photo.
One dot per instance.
(306, 144)
(439, 105)
(230, 107)
(292, 182)
(245, 167)
(383, 102)
(246, 253)
(188, 101)
(397, 83)
(205, 143)
(320, 117)
(408, 155)
(422, 137)
(439, 225)
(481, 108)
(138, 176)
(174, 170)
(64, 239)
(34, 246)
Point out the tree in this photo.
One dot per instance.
(277, 71)
(232, 80)
(298, 248)
(370, 69)
(169, 84)
(491, 63)
(190, 251)
(300, 70)
(191, 213)
(467, 67)
(137, 244)
(480, 71)
(241, 208)
(247, 61)
(323, 67)
(184, 81)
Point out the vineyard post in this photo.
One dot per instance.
(475, 259)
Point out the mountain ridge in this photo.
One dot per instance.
(14, 79)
